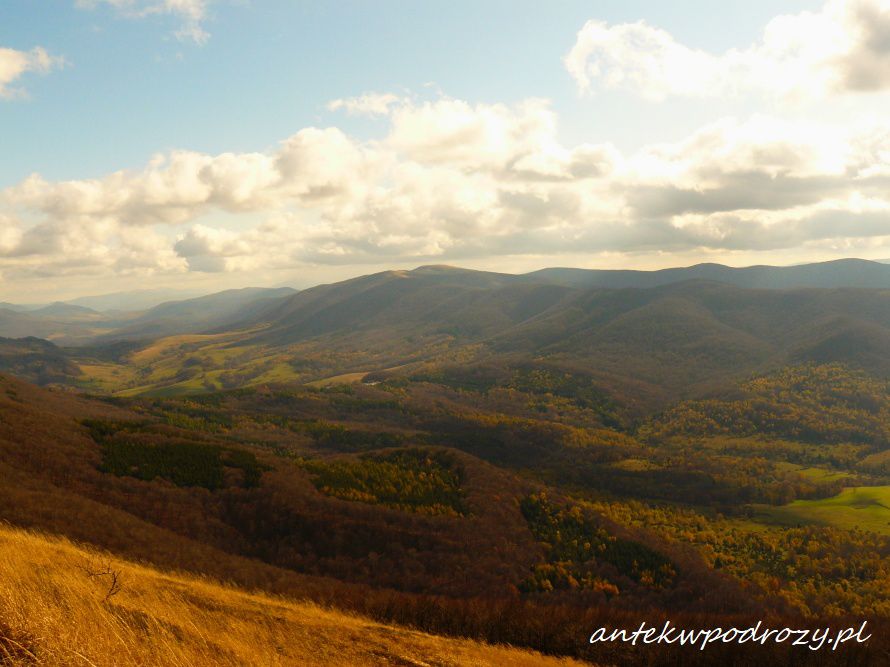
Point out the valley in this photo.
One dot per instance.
(444, 334)
(433, 448)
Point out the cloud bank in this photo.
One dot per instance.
(844, 48)
(451, 180)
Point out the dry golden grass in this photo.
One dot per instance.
(55, 610)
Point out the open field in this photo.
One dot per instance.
(866, 507)
(57, 607)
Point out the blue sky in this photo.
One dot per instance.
(646, 116)
(270, 67)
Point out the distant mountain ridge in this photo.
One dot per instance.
(70, 324)
(650, 345)
(849, 272)
(199, 314)
(673, 332)
(61, 309)
(132, 300)
(825, 275)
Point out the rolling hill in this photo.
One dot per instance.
(284, 492)
(510, 504)
(64, 310)
(36, 360)
(680, 337)
(667, 334)
(644, 346)
(425, 301)
(198, 314)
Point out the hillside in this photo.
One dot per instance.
(307, 463)
(58, 607)
(36, 360)
(519, 506)
(425, 300)
(643, 346)
(305, 511)
(198, 314)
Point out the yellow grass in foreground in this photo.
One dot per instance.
(54, 611)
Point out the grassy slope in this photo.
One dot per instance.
(53, 612)
(866, 507)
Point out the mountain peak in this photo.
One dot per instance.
(437, 268)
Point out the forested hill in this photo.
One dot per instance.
(645, 346)
(674, 338)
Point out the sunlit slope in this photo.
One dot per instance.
(57, 607)
(865, 507)
(672, 341)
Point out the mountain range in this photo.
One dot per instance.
(71, 324)
(647, 344)
(833, 274)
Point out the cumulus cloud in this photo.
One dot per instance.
(844, 47)
(83, 247)
(10, 235)
(14, 64)
(450, 180)
(455, 132)
(190, 13)
(371, 104)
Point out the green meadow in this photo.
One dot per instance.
(865, 507)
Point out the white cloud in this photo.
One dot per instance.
(845, 47)
(454, 132)
(191, 13)
(371, 104)
(14, 64)
(448, 180)
(10, 234)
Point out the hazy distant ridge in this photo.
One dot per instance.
(839, 273)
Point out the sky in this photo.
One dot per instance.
(211, 144)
